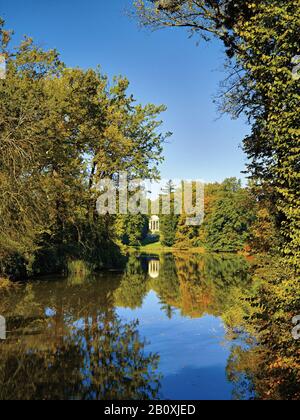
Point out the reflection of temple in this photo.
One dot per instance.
(153, 269)
(154, 224)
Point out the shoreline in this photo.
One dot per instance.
(158, 248)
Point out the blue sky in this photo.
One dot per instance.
(164, 67)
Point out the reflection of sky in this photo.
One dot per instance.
(192, 357)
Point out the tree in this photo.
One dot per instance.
(135, 229)
(229, 214)
(261, 38)
(168, 226)
(168, 222)
(169, 188)
(227, 227)
(62, 130)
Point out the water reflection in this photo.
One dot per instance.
(153, 268)
(67, 342)
(195, 284)
(170, 326)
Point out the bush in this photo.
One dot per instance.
(6, 284)
(13, 266)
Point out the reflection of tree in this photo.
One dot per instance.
(256, 309)
(135, 283)
(210, 284)
(196, 284)
(133, 287)
(168, 310)
(65, 340)
(118, 368)
(64, 350)
(272, 361)
(166, 285)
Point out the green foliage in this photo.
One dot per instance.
(168, 222)
(150, 240)
(135, 229)
(264, 235)
(78, 271)
(261, 38)
(267, 92)
(168, 227)
(12, 265)
(227, 226)
(133, 287)
(270, 360)
(230, 212)
(62, 131)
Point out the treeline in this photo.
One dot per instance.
(234, 220)
(62, 130)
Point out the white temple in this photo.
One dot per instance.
(154, 224)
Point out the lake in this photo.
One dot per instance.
(164, 328)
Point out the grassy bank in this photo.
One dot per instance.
(157, 247)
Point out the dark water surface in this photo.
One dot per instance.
(160, 329)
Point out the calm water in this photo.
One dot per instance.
(160, 329)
